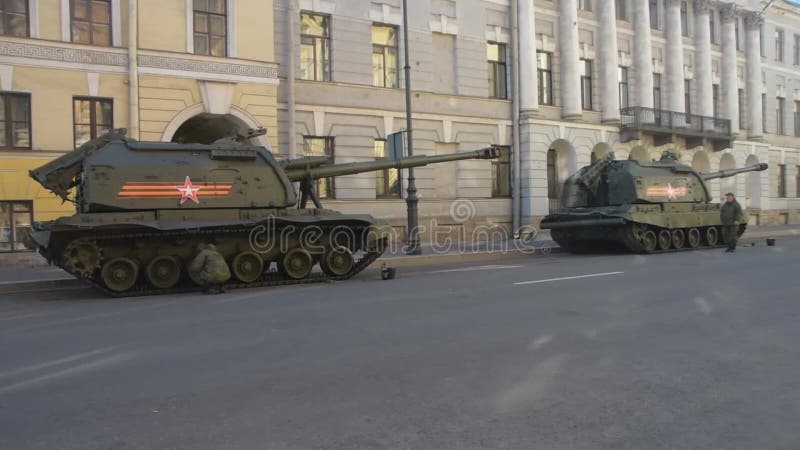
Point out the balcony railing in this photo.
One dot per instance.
(659, 120)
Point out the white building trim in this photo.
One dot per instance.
(66, 32)
(33, 10)
(116, 23)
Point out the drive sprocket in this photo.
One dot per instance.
(83, 257)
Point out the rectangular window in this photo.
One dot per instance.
(387, 181)
(684, 18)
(654, 22)
(92, 117)
(715, 99)
(797, 49)
(496, 57)
(742, 112)
(736, 33)
(544, 62)
(622, 74)
(384, 56)
(210, 27)
(782, 180)
(797, 118)
(586, 84)
(585, 5)
(622, 11)
(321, 146)
(687, 97)
(761, 41)
(15, 121)
(711, 27)
(15, 221)
(91, 22)
(315, 47)
(779, 44)
(501, 173)
(656, 91)
(764, 112)
(14, 18)
(779, 115)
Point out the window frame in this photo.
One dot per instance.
(329, 40)
(9, 123)
(742, 110)
(780, 37)
(796, 61)
(621, 9)
(497, 164)
(4, 17)
(586, 83)
(585, 5)
(90, 21)
(208, 34)
(655, 22)
(685, 18)
(715, 100)
(12, 242)
(383, 54)
(540, 79)
(780, 112)
(494, 66)
(657, 94)
(687, 98)
(620, 71)
(332, 156)
(712, 27)
(383, 176)
(781, 181)
(92, 116)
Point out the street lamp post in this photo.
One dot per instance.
(412, 234)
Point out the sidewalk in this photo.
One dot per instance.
(35, 276)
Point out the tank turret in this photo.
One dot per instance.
(645, 206)
(144, 207)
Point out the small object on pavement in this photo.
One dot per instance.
(770, 241)
(387, 273)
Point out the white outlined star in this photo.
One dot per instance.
(188, 191)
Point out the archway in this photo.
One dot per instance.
(753, 185)
(561, 163)
(639, 154)
(600, 151)
(241, 118)
(727, 184)
(700, 162)
(207, 128)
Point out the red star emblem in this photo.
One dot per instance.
(188, 191)
(671, 192)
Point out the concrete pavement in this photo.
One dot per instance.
(674, 351)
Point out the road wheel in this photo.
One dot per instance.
(120, 274)
(247, 267)
(712, 236)
(664, 240)
(649, 241)
(296, 263)
(163, 272)
(337, 262)
(694, 238)
(678, 238)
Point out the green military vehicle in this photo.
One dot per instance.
(642, 207)
(143, 209)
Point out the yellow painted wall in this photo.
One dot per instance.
(15, 184)
(160, 100)
(162, 25)
(50, 19)
(255, 35)
(52, 92)
(260, 101)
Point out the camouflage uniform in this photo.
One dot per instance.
(209, 268)
(731, 216)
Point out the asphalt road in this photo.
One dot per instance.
(684, 350)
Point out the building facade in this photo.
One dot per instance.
(715, 81)
(198, 69)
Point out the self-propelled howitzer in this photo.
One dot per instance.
(142, 208)
(645, 207)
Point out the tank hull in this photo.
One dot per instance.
(149, 252)
(638, 228)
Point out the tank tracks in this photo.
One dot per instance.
(631, 236)
(267, 279)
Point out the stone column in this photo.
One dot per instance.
(569, 59)
(674, 58)
(752, 22)
(729, 89)
(528, 76)
(642, 54)
(608, 59)
(702, 56)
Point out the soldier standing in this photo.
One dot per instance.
(209, 268)
(731, 216)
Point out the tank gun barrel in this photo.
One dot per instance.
(731, 172)
(298, 170)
